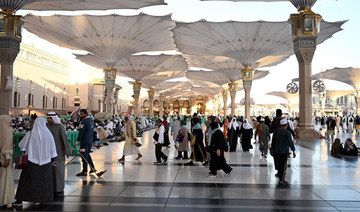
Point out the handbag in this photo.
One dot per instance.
(21, 162)
(179, 138)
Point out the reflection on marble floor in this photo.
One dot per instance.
(318, 182)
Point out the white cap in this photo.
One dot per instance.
(283, 122)
(262, 119)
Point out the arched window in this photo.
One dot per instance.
(16, 99)
(30, 100)
(54, 102)
(44, 101)
(63, 103)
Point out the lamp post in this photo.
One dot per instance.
(305, 30)
(247, 76)
(110, 77)
(232, 90)
(10, 39)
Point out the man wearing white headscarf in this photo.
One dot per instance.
(6, 170)
(62, 150)
(130, 139)
(36, 180)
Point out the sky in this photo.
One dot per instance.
(339, 51)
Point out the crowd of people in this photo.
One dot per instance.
(196, 139)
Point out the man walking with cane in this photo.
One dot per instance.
(85, 138)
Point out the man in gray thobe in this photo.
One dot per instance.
(175, 127)
(62, 150)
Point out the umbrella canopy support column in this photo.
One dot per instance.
(136, 88)
(247, 88)
(162, 99)
(151, 94)
(323, 99)
(232, 89)
(305, 31)
(218, 101)
(357, 100)
(10, 39)
(225, 99)
(247, 75)
(110, 77)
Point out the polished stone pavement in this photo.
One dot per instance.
(318, 182)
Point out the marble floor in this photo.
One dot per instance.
(317, 182)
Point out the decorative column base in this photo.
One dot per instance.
(304, 133)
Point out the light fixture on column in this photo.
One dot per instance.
(7, 18)
(110, 73)
(247, 73)
(306, 22)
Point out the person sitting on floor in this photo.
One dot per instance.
(350, 148)
(337, 148)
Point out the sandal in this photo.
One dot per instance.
(81, 174)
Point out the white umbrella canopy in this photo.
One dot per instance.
(209, 76)
(284, 95)
(109, 38)
(297, 3)
(253, 44)
(155, 79)
(173, 86)
(334, 94)
(76, 4)
(140, 66)
(207, 91)
(350, 76)
(218, 78)
(206, 84)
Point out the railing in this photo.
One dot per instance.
(71, 135)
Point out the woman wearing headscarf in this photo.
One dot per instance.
(36, 179)
(184, 145)
(336, 147)
(217, 161)
(246, 135)
(6, 170)
(350, 148)
(197, 143)
(233, 134)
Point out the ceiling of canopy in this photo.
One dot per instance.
(109, 38)
(334, 94)
(76, 4)
(350, 76)
(254, 44)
